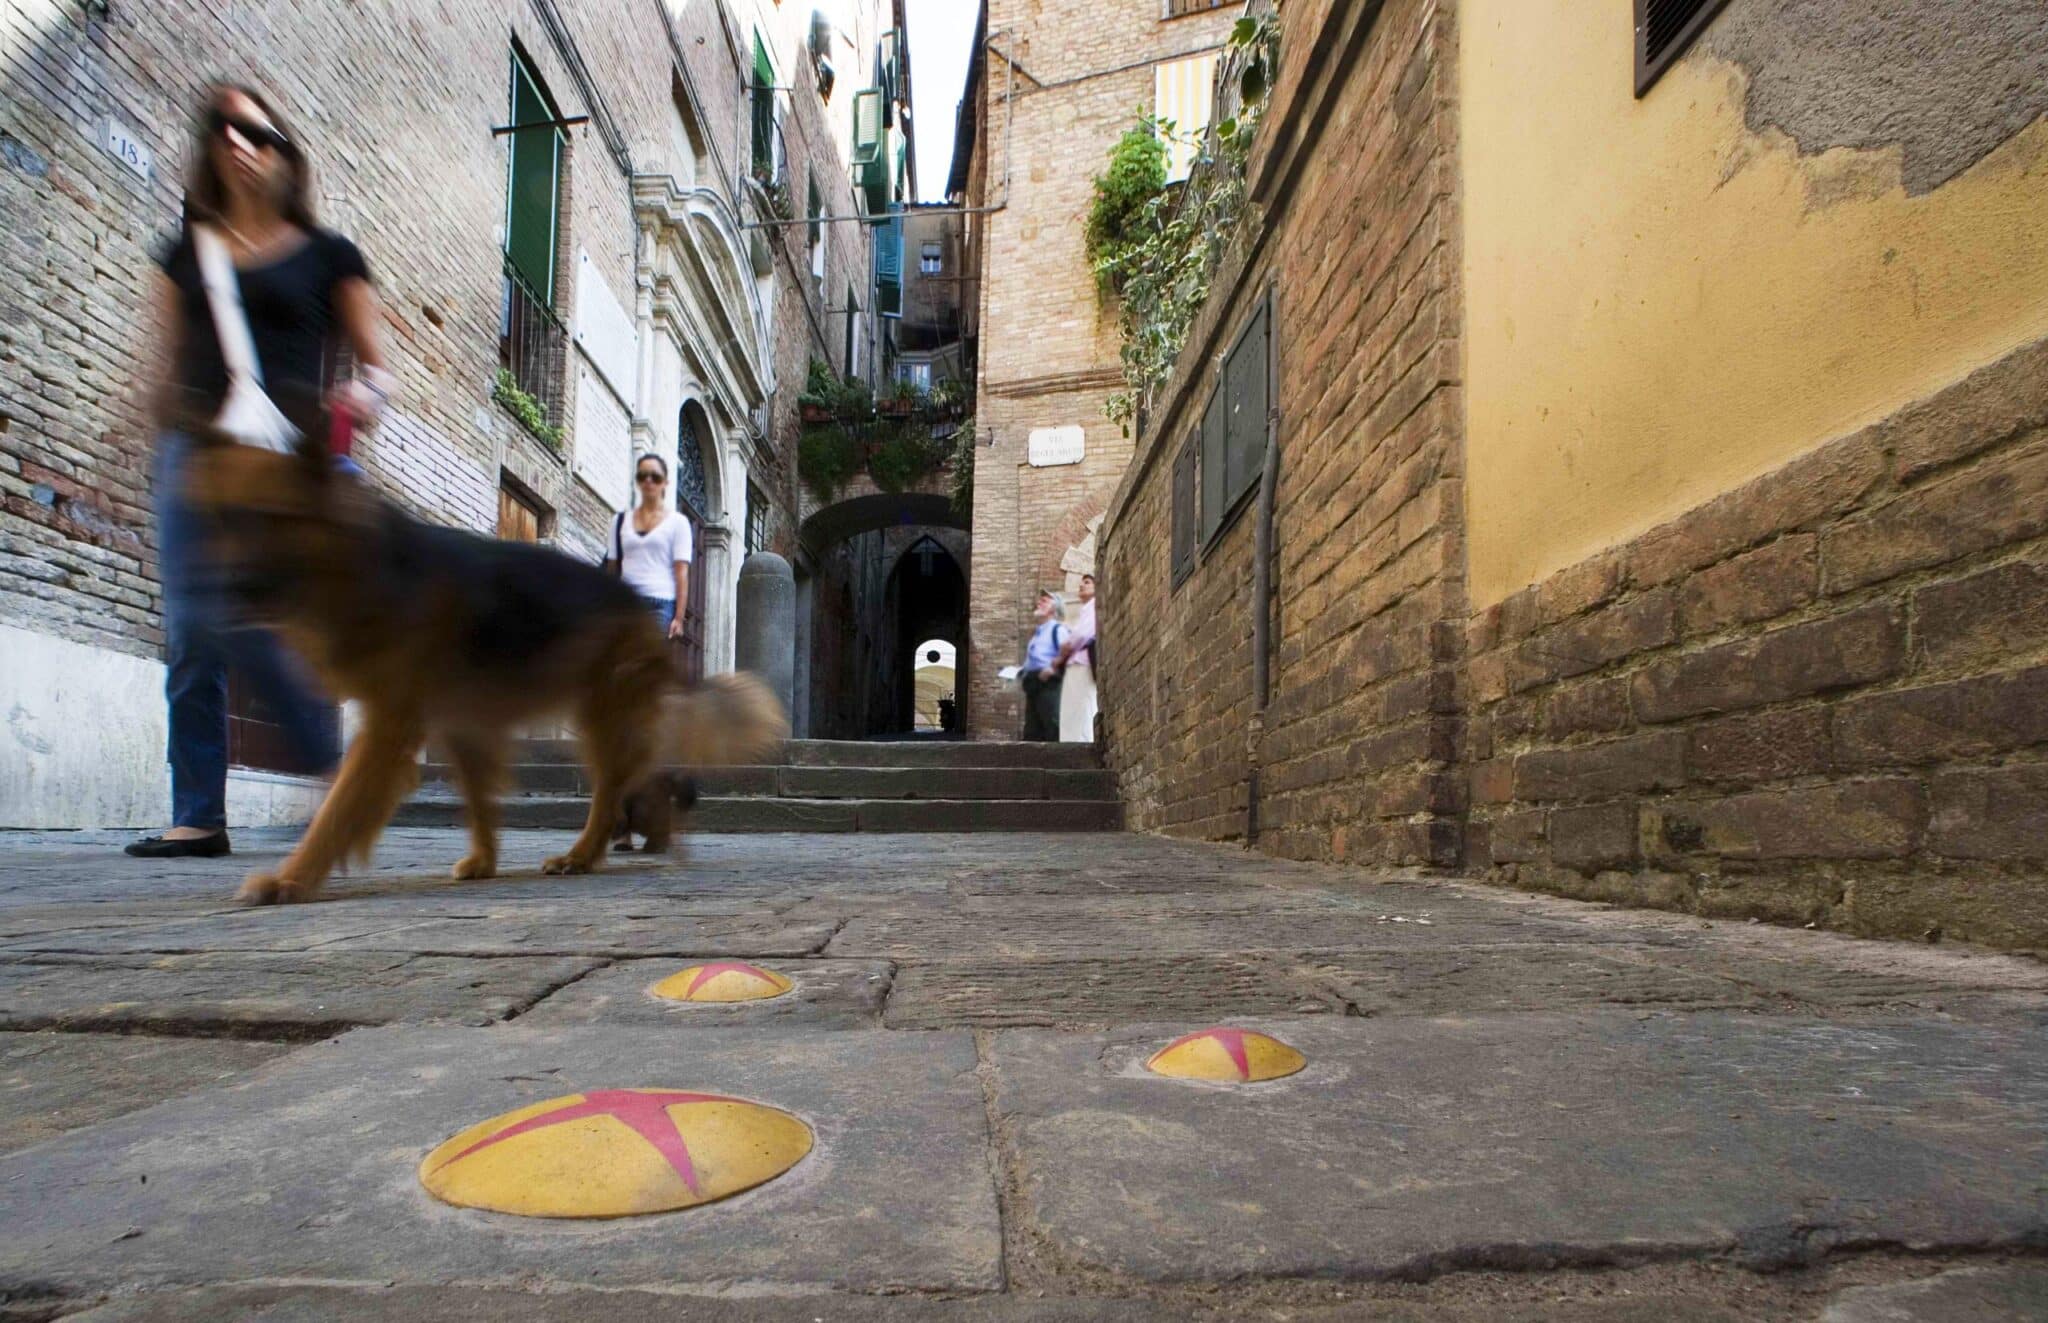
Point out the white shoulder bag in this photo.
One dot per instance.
(248, 415)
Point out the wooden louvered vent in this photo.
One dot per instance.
(1664, 28)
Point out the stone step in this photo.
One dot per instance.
(787, 782)
(721, 813)
(882, 753)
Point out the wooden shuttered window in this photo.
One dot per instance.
(534, 183)
(1234, 425)
(763, 108)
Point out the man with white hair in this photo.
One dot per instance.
(1041, 674)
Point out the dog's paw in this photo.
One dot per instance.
(568, 863)
(471, 867)
(273, 889)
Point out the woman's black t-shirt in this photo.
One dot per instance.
(292, 318)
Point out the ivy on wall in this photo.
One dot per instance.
(1154, 248)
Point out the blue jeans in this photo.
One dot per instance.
(663, 609)
(200, 645)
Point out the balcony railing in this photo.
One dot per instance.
(1181, 8)
(532, 344)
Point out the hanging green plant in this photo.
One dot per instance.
(1135, 179)
(1165, 252)
(826, 457)
(526, 410)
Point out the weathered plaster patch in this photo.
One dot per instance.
(1941, 82)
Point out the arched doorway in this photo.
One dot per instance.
(925, 603)
(934, 673)
(694, 503)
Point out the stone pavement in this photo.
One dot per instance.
(1514, 1107)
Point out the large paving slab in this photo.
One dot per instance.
(838, 993)
(51, 1083)
(323, 1304)
(1988, 1294)
(1099, 991)
(266, 995)
(306, 1170)
(1411, 1147)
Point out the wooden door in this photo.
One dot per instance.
(517, 521)
(690, 647)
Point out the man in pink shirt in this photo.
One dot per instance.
(1077, 660)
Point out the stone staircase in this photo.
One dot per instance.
(828, 786)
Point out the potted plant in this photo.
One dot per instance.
(900, 401)
(821, 389)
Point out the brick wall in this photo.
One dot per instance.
(394, 102)
(1361, 746)
(1082, 75)
(1819, 698)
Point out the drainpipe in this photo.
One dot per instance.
(1262, 578)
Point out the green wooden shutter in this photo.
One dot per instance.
(534, 186)
(814, 208)
(764, 110)
(889, 265)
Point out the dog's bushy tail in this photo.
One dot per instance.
(725, 719)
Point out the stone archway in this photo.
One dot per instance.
(857, 607)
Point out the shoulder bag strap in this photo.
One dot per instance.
(224, 300)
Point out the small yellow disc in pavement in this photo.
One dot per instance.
(1238, 1056)
(615, 1153)
(722, 980)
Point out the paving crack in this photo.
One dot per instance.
(542, 994)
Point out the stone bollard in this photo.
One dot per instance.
(766, 639)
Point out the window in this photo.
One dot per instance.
(757, 520)
(931, 260)
(917, 374)
(1233, 431)
(1664, 28)
(531, 339)
(1184, 92)
(534, 183)
(1180, 8)
(850, 361)
(763, 107)
(816, 233)
(685, 135)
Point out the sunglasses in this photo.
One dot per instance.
(649, 475)
(260, 136)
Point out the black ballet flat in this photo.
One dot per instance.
(200, 847)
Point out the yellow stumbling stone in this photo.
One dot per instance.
(615, 1153)
(722, 980)
(1236, 1056)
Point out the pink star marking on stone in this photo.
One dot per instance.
(646, 1111)
(713, 970)
(1230, 1040)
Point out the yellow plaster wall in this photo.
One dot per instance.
(1662, 305)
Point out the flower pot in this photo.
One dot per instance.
(814, 413)
(895, 408)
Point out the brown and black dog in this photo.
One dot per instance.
(445, 634)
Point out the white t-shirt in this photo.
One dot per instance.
(648, 563)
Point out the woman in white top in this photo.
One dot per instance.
(1077, 662)
(651, 547)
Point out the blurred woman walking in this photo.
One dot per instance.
(251, 302)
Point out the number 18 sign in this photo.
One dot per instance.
(122, 143)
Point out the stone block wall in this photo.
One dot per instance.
(1360, 755)
(1820, 698)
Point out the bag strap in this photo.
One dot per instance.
(619, 544)
(224, 300)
